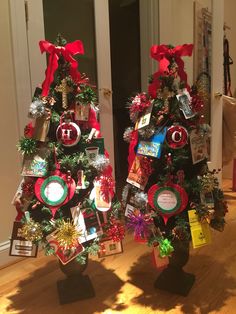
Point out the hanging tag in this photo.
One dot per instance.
(82, 112)
(198, 144)
(159, 262)
(185, 104)
(200, 231)
(137, 176)
(41, 129)
(153, 146)
(19, 245)
(145, 119)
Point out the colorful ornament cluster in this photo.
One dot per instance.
(66, 200)
(170, 193)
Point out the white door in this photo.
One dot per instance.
(32, 19)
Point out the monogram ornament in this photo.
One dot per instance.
(176, 136)
(68, 133)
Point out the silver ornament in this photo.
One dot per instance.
(37, 109)
(100, 163)
(127, 136)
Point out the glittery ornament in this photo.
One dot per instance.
(140, 199)
(197, 103)
(67, 234)
(127, 136)
(208, 182)
(36, 109)
(32, 231)
(101, 162)
(147, 132)
(27, 188)
(125, 193)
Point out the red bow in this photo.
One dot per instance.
(163, 54)
(54, 52)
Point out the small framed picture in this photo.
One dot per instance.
(19, 245)
(110, 248)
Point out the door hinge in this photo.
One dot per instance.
(26, 14)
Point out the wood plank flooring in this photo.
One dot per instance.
(124, 283)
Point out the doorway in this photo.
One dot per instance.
(126, 73)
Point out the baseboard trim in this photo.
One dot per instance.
(5, 259)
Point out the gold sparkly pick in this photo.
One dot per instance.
(67, 234)
(32, 231)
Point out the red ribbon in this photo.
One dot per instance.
(163, 54)
(132, 145)
(54, 52)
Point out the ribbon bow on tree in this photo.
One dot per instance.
(67, 51)
(164, 54)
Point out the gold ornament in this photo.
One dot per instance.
(67, 235)
(208, 182)
(64, 89)
(32, 231)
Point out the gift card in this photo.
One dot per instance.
(19, 245)
(35, 165)
(159, 262)
(153, 146)
(137, 175)
(185, 104)
(65, 255)
(109, 247)
(198, 144)
(88, 224)
(82, 112)
(200, 231)
(144, 120)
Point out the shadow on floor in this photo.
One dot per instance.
(212, 288)
(38, 293)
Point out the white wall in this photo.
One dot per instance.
(9, 157)
(177, 26)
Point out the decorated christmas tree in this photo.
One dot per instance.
(66, 200)
(171, 197)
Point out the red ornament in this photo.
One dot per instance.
(27, 188)
(29, 130)
(169, 200)
(68, 134)
(176, 136)
(140, 103)
(55, 191)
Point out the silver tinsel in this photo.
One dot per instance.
(36, 109)
(205, 129)
(127, 136)
(140, 199)
(125, 193)
(147, 132)
(100, 163)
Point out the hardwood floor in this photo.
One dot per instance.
(124, 283)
